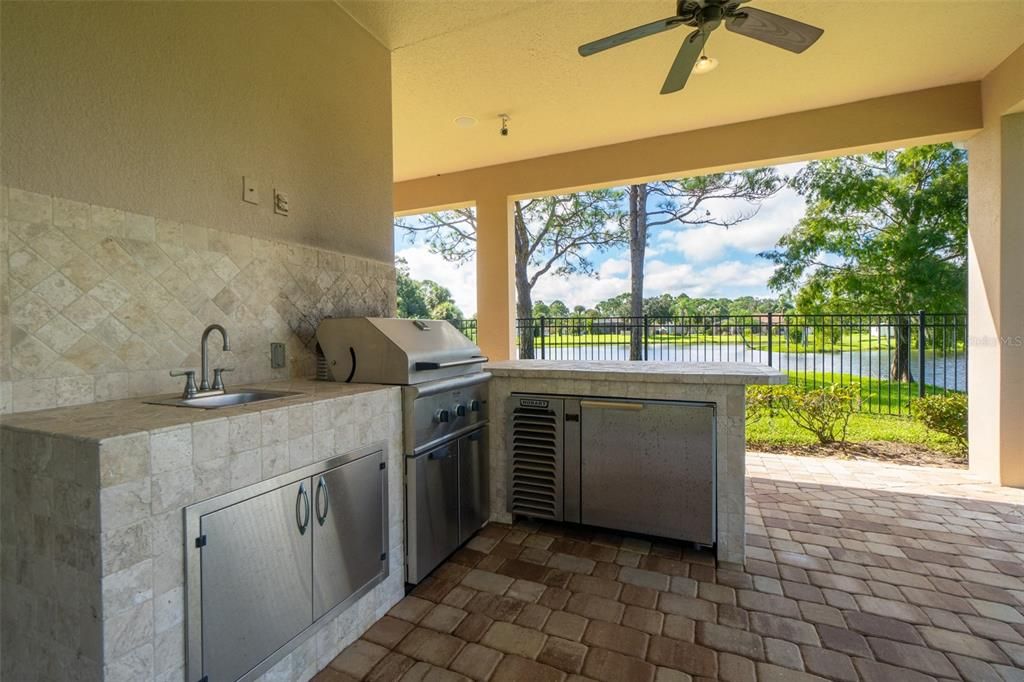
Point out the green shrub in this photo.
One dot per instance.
(824, 411)
(946, 414)
(762, 401)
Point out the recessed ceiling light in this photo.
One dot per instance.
(465, 121)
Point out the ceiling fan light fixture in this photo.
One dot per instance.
(705, 65)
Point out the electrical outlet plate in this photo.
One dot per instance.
(277, 360)
(250, 192)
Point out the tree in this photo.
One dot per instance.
(447, 310)
(558, 309)
(616, 306)
(554, 234)
(659, 306)
(410, 295)
(684, 204)
(419, 299)
(883, 232)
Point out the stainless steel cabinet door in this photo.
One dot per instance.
(348, 530)
(474, 490)
(649, 467)
(256, 577)
(432, 500)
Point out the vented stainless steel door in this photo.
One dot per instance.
(649, 467)
(432, 506)
(536, 456)
(257, 579)
(348, 530)
(474, 491)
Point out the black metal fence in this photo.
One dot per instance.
(894, 358)
(467, 327)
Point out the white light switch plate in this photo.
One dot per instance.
(280, 202)
(250, 192)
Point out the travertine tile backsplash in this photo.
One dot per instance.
(97, 303)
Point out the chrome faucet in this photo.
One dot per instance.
(218, 383)
(204, 388)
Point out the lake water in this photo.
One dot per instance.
(941, 371)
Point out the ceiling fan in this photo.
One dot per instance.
(706, 16)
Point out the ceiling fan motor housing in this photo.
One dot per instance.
(707, 15)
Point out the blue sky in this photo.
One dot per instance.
(702, 261)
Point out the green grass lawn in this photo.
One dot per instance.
(781, 431)
(873, 423)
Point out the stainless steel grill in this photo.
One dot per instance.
(444, 415)
(387, 350)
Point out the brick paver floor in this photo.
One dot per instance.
(855, 571)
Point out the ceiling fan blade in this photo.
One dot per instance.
(683, 64)
(632, 34)
(774, 29)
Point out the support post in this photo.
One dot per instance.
(646, 334)
(495, 283)
(995, 357)
(769, 339)
(920, 353)
(543, 350)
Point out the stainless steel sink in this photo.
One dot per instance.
(229, 399)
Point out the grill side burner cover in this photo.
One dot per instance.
(385, 350)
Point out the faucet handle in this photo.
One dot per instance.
(218, 380)
(190, 382)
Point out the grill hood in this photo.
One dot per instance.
(388, 350)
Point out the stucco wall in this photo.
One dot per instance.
(995, 279)
(160, 108)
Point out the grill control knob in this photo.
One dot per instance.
(441, 417)
(460, 410)
(474, 405)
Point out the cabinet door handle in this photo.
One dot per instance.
(302, 509)
(610, 405)
(321, 516)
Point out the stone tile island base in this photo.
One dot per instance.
(92, 578)
(721, 383)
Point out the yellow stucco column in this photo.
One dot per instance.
(995, 369)
(495, 290)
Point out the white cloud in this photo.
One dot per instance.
(730, 278)
(710, 242)
(614, 266)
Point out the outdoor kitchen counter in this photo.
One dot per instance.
(105, 485)
(98, 421)
(731, 373)
(723, 384)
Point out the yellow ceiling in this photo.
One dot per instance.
(456, 57)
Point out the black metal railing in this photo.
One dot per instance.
(894, 358)
(467, 327)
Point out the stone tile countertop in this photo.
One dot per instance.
(647, 372)
(99, 421)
